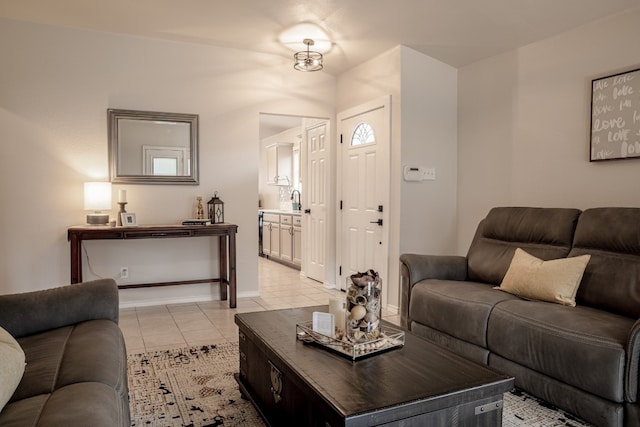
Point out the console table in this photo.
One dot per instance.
(226, 259)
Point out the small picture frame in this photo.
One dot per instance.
(128, 219)
(324, 323)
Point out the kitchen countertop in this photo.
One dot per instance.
(280, 211)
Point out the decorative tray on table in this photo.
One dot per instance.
(389, 339)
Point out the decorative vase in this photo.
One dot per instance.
(362, 316)
(199, 208)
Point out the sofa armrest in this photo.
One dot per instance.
(415, 267)
(633, 368)
(33, 312)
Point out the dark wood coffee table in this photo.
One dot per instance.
(421, 384)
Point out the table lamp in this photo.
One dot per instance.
(97, 197)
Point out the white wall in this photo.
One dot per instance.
(429, 138)
(524, 125)
(423, 131)
(55, 87)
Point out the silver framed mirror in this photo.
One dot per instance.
(148, 147)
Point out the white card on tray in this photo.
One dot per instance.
(324, 323)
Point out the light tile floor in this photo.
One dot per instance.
(179, 325)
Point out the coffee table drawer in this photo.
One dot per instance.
(277, 393)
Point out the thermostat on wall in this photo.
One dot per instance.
(419, 173)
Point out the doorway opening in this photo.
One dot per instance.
(294, 192)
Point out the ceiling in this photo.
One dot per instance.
(457, 32)
(272, 124)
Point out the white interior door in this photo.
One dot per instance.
(316, 195)
(364, 184)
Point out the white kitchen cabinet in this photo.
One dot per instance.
(297, 240)
(286, 238)
(280, 164)
(271, 235)
(282, 238)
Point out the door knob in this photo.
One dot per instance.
(379, 222)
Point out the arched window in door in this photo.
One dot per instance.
(363, 134)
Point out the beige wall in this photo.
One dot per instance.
(524, 125)
(430, 139)
(55, 87)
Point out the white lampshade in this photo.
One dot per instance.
(97, 197)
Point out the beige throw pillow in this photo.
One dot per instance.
(555, 280)
(11, 366)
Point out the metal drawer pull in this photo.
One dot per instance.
(276, 383)
(488, 407)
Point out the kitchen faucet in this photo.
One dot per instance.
(295, 205)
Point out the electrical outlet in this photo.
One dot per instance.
(429, 174)
(124, 272)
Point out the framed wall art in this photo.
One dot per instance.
(615, 116)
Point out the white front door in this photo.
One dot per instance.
(364, 187)
(316, 195)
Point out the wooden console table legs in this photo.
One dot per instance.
(226, 234)
(228, 277)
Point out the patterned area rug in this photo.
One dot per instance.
(188, 387)
(195, 387)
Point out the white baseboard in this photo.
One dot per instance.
(392, 309)
(252, 294)
(165, 301)
(328, 285)
(149, 302)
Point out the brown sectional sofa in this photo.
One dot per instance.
(76, 362)
(584, 359)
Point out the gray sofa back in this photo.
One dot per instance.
(546, 233)
(37, 311)
(611, 280)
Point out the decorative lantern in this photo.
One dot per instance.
(216, 209)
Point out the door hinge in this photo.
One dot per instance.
(340, 138)
(340, 271)
(340, 204)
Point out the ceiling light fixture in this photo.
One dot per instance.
(308, 60)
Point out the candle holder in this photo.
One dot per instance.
(122, 210)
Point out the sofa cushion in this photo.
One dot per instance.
(467, 350)
(581, 346)
(546, 233)
(11, 366)
(90, 351)
(591, 408)
(460, 309)
(83, 404)
(555, 280)
(612, 279)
